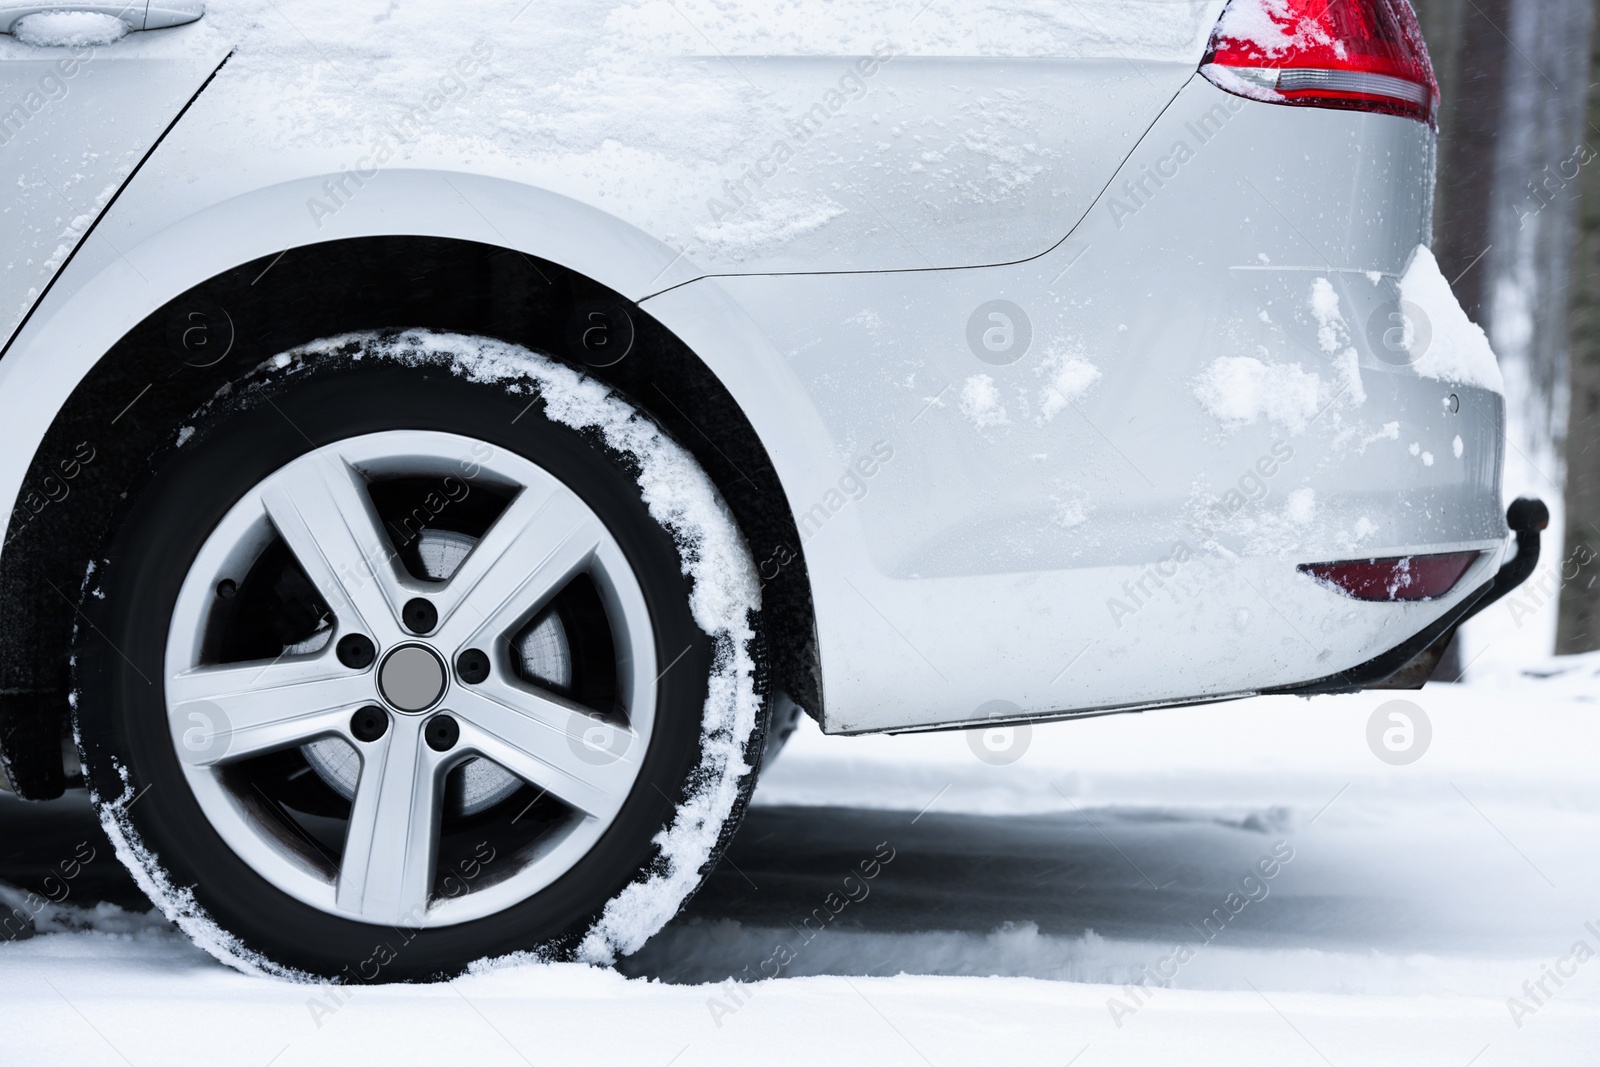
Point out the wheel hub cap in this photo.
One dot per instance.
(412, 678)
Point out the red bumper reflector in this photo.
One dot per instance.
(1397, 578)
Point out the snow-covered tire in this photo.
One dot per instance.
(258, 693)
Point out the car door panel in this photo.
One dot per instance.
(74, 124)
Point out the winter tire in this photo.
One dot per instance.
(415, 650)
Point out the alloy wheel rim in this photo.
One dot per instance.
(230, 718)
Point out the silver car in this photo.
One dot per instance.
(447, 451)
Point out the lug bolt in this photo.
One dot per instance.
(369, 723)
(420, 616)
(226, 588)
(473, 666)
(442, 733)
(356, 652)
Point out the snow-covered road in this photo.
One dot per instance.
(1283, 894)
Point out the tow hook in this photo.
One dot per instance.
(1527, 517)
(1411, 665)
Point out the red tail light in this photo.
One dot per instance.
(1362, 55)
(1400, 578)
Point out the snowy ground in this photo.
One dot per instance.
(1013, 897)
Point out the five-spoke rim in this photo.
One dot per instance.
(222, 715)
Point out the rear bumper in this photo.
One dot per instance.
(1408, 665)
(1005, 500)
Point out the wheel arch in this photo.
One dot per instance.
(128, 405)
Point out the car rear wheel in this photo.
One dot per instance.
(392, 670)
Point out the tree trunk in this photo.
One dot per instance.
(1579, 627)
(1469, 58)
(1474, 72)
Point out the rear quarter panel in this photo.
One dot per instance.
(1081, 523)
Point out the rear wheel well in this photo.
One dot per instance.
(138, 395)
